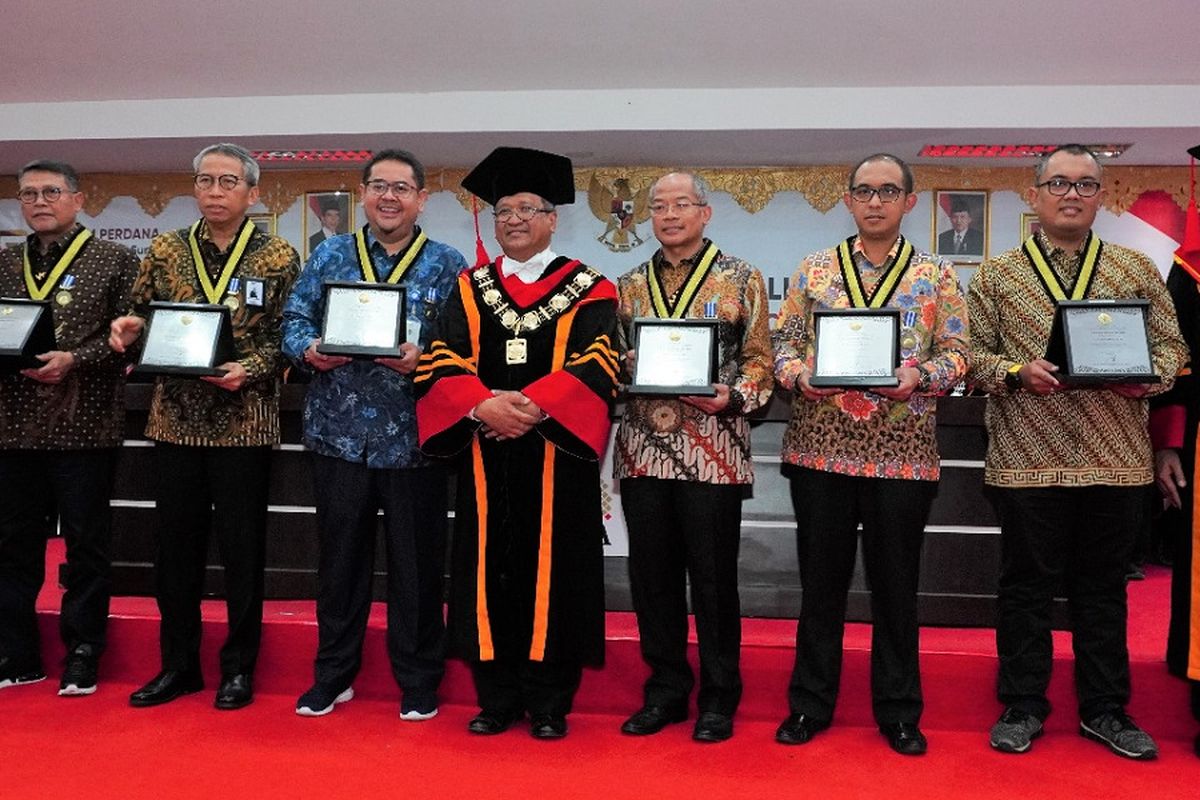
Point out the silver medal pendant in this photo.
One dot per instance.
(516, 351)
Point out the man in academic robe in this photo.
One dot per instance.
(213, 435)
(518, 384)
(61, 423)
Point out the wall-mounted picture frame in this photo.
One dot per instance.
(326, 214)
(264, 222)
(1029, 225)
(960, 225)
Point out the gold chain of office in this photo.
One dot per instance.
(752, 188)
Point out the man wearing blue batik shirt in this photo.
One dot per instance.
(360, 424)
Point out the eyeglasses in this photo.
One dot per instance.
(204, 181)
(682, 207)
(48, 193)
(887, 193)
(1061, 187)
(524, 213)
(380, 187)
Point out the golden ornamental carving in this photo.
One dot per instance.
(752, 188)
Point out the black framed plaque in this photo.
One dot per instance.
(186, 339)
(1101, 341)
(26, 330)
(363, 320)
(856, 348)
(674, 356)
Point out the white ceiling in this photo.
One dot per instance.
(120, 86)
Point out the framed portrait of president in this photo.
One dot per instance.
(960, 225)
(326, 214)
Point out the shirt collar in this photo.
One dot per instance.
(58, 245)
(661, 261)
(527, 271)
(860, 254)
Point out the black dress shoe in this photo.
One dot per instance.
(237, 691)
(166, 686)
(799, 729)
(713, 727)
(652, 719)
(547, 726)
(905, 738)
(489, 723)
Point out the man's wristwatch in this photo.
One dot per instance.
(1012, 378)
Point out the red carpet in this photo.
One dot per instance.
(99, 747)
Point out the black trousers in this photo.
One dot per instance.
(829, 507)
(413, 501)
(516, 685)
(681, 531)
(79, 484)
(1078, 539)
(203, 489)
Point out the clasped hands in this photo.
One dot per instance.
(508, 415)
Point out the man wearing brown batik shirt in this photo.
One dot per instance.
(60, 425)
(213, 435)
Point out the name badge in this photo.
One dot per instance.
(256, 292)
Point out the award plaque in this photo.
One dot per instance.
(1101, 341)
(856, 348)
(26, 330)
(363, 320)
(675, 356)
(186, 339)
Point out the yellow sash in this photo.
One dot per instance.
(886, 285)
(406, 261)
(658, 300)
(212, 292)
(41, 292)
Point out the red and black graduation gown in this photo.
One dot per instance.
(1175, 417)
(527, 569)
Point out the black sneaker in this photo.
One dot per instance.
(79, 675)
(320, 700)
(13, 673)
(1120, 734)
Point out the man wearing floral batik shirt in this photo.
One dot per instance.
(684, 462)
(866, 457)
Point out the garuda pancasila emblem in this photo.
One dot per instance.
(621, 210)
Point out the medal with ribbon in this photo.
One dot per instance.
(1049, 278)
(213, 292)
(40, 290)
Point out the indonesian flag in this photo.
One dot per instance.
(1188, 254)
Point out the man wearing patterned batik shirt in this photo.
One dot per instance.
(684, 462)
(519, 382)
(866, 457)
(214, 435)
(1066, 465)
(60, 425)
(360, 423)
